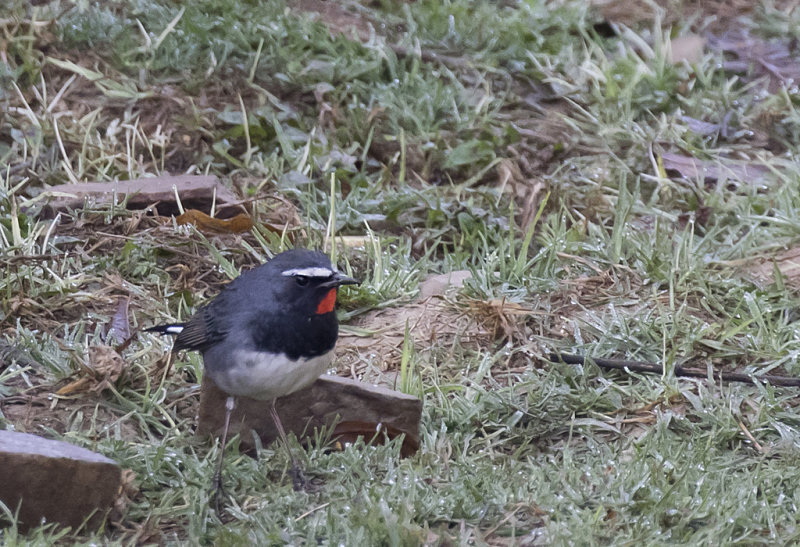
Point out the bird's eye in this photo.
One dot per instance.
(301, 280)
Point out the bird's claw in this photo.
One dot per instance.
(217, 493)
(299, 481)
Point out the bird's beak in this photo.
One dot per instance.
(339, 279)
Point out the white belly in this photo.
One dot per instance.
(257, 376)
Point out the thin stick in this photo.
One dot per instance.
(654, 368)
(310, 511)
(749, 435)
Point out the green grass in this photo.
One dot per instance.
(431, 160)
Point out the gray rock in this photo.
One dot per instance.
(195, 191)
(361, 409)
(55, 481)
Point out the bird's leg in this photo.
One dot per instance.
(298, 479)
(217, 484)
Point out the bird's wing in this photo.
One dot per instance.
(194, 335)
(210, 324)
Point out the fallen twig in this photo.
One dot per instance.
(654, 368)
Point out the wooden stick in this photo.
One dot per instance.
(654, 368)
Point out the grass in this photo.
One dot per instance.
(431, 135)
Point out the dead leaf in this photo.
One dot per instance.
(281, 218)
(706, 170)
(107, 366)
(103, 368)
(499, 316)
(699, 127)
(238, 224)
(774, 60)
(528, 192)
(127, 492)
(120, 329)
(687, 48)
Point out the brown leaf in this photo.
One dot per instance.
(77, 386)
(775, 60)
(120, 329)
(528, 192)
(104, 367)
(499, 316)
(239, 223)
(705, 170)
(127, 491)
(106, 363)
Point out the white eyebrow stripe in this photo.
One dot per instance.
(313, 271)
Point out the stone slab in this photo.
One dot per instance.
(55, 481)
(318, 405)
(195, 192)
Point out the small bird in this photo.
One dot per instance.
(269, 333)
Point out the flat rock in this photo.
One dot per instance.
(358, 406)
(439, 284)
(195, 192)
(55, 481)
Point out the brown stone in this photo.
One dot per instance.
(357, 405)
(55, 481)
(195, 192)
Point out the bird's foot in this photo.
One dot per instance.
(299, 481)
(217, 493)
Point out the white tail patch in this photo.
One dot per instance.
(174, 329)
(314, 271)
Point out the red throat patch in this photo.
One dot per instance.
(328, 303)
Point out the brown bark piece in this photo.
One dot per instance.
(55, 481)
(195, 192)
(313, 407)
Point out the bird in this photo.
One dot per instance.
(268, 333)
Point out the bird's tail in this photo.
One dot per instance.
(170, 328)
